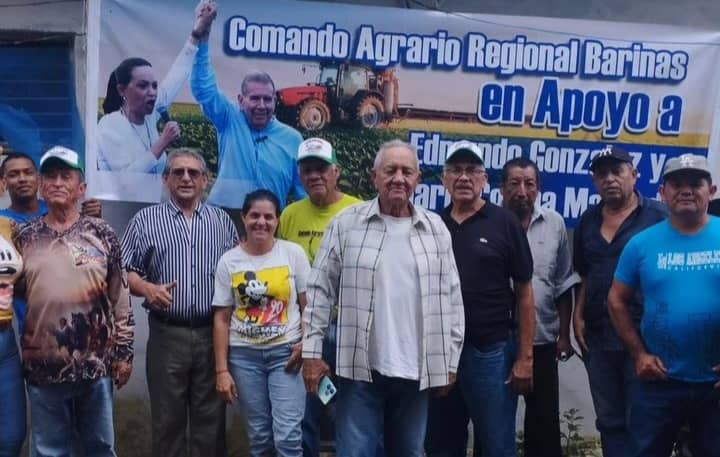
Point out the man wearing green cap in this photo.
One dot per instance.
(304, 222)
(675, 265)
(78, 333)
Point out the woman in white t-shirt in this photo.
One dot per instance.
(259, 297)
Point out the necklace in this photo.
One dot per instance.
(138, 132)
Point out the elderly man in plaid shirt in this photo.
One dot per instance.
(390, 268)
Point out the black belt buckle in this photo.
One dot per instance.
(194, 322)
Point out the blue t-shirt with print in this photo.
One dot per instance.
(679, 277)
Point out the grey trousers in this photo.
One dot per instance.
(188, 416)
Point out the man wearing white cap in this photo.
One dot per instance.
(78, 333)
(304, 222)
(675, 265)
(491, 251)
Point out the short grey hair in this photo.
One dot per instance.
(256, 76)
(185, 152)
(397, 143)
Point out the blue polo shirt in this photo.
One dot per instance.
(21, 218)
(595, 259)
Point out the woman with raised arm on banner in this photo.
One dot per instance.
(128, 138)
(258, 301)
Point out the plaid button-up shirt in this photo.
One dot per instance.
(345, 271)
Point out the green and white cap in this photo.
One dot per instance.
(59, 153)
(317, 148)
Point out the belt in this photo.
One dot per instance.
(4, 325)
(194, 322)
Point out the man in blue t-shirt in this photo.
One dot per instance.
(675, 265)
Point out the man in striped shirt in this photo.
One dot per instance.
(389, 266)
(170, 251)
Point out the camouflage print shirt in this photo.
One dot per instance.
(78, 318)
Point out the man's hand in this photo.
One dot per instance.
(521, 376)
(91, 207)
(579, 329)
(716, 369)
(295, 361)
(159, 296)
(564, 349)
(313, 370)
(205, 14)
(650, 368)
(121, 372)
(445, 390)
(225, 386)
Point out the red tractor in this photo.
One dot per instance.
(343, 92)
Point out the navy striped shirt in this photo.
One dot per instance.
(163, 246)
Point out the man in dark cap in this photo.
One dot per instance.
(675, 265)
(600, 236)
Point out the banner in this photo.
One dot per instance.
(557, 91)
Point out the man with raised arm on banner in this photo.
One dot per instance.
(552, 282)
(675, 265)
(304, 222)
(389, 267)
(599, 238)
(171, 251)
(495, 265)
(255, 150)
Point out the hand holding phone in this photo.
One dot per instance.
(326, 390)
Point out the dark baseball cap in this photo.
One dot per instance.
(610, 153)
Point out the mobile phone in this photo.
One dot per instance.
(326, 390)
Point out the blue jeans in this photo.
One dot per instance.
(392, 408)
(491, 402)
(81, 409)
(12, 396)
(611, 374)
(271, 399)
(661, 408)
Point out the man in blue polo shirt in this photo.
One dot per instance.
(676, 266)
(255, 150)
(600, 236)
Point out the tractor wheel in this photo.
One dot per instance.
(370, 113)
(313, 115)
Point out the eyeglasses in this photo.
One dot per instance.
(473, 171)
(179, 173)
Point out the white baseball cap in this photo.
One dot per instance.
(64, 155)
(464, 146)
(316, 148)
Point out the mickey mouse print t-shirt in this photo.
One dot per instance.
(263, 292)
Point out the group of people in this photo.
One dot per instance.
(422, 321)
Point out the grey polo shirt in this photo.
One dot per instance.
(553, 273)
